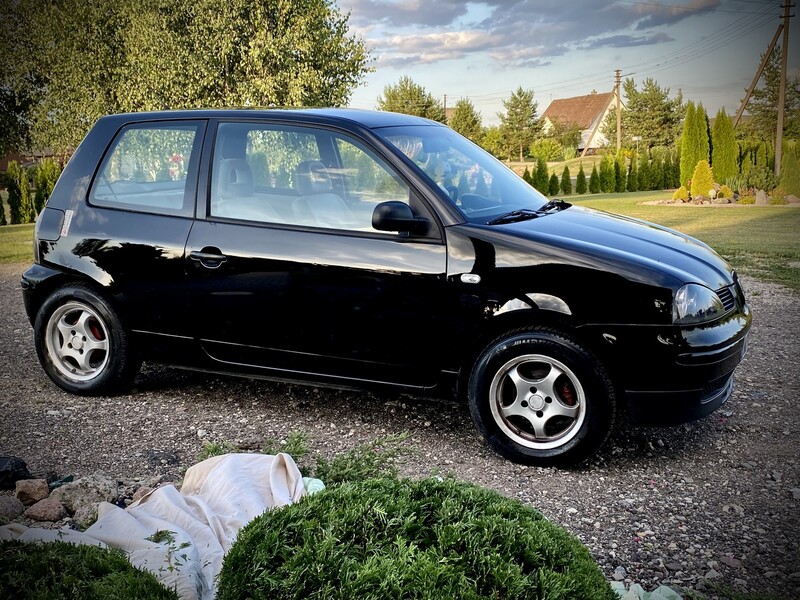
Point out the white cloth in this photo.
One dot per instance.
(218, 497)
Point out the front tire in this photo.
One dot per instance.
(82, 344)
(539, 397)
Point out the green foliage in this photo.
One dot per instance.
(580, 181)
(702, 180)
(384, 538)
(644, 176)
(526, 175)
(45, 177)
(632, 182)
(553, 185)
(608, 181)
(377, 458)
(763, 105)
(86, 59)
(492, 141)
(650, 114)
(689, 145)
(681, 194)
(566, 182)
(748, 199)
(3, 220)
(57, 570)
(466, 120)
(594, 181)
(790, 170)
(702, 134)
(541, 179)
(19, 197)
(411, 98)
(725, 192)
(724, 153)
(547, 149)
(519, 122)
(619, 174)
(210, 449)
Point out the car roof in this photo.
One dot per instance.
(370, 119)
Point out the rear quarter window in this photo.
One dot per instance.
(150, 168)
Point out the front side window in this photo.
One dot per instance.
(478, 184)
(298, 175)
(147, 169)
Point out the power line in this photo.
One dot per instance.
(691, 8)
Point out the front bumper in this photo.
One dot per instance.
(673, 375)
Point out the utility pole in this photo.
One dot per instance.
(782, 93)
(445, 107)
(618, 78)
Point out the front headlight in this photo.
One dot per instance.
(696, 304)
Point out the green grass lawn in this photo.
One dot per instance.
(761, 241)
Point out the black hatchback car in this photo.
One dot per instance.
(356, 248)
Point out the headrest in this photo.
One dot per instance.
(235, 178)
(311, 177)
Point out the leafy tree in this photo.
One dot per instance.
(85, 59)
(594, 181)
(566, 182)
(650, 114)
(580, 182)
(19, 197)
(568, 136)
(412, 99)
(547, 148)
(541, 180)
(724, 151)
(608, 182)
(763, 105)
(519, 123)
(492, 141)
(466, 120)
(702, 180)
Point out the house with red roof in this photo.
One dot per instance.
(587, 112)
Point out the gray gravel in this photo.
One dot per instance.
(713, 501)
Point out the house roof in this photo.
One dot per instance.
(580, 110)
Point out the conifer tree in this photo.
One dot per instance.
(702, 180)
(2, 213)
(541, 180)
(526, 175)
(580, 182)
(644, 180)
(703, 134)
(607, 180)
(688, 145)
(566, 182)
(594, 181)
(790, 170)
(724, 150)
(633, 176)
(619, 175)
(19, 197)
(553, 185)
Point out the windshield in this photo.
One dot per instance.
(477, 183)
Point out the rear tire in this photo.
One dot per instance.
(539, 397)
(82, 344)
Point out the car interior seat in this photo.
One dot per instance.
(317, 203)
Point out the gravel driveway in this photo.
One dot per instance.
(713, 501)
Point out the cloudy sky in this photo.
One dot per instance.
(709, 49)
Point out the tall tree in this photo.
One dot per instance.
(763, 105)
(89, 58)
(702, 134)
(541, 179)
(466, 120)
(689, 145)
(519, 123)
(649, 113)
(580, 182)
(594, 181)
(410, 98)
(566, 182)
(608, 181)
(724, 153)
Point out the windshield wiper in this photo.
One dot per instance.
(522, 214)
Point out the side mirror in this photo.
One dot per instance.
(397, 216)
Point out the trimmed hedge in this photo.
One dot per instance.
(57, 570)
(389, 538)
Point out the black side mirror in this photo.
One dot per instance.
(397, 216)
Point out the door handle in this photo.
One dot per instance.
(210, 260)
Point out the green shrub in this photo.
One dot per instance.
(608, 181)
(746, 200)
(58, 570)
(554, 185)
(541, 180)
(19, 198)
(702, 180)
(2, 212)
(526, 175)
(790, 170)
(580, 182)
(210, 449)
(594, 181)
(386, 538)
(725, 192)
(45, 176)
(548, 149)
(681, 194)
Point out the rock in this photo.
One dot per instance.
(85, 516)
(731, 562)
(141, 492)
(10, 507)
(619, 573)
(761, 198)
(48, 509)
(719, 200)
(792, 199)
(673, 566)
(86, 492)
(30, 491)
(12, 469)
(712, 574)
(158, 458)
(795, 493)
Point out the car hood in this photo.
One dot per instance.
(591, 238)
